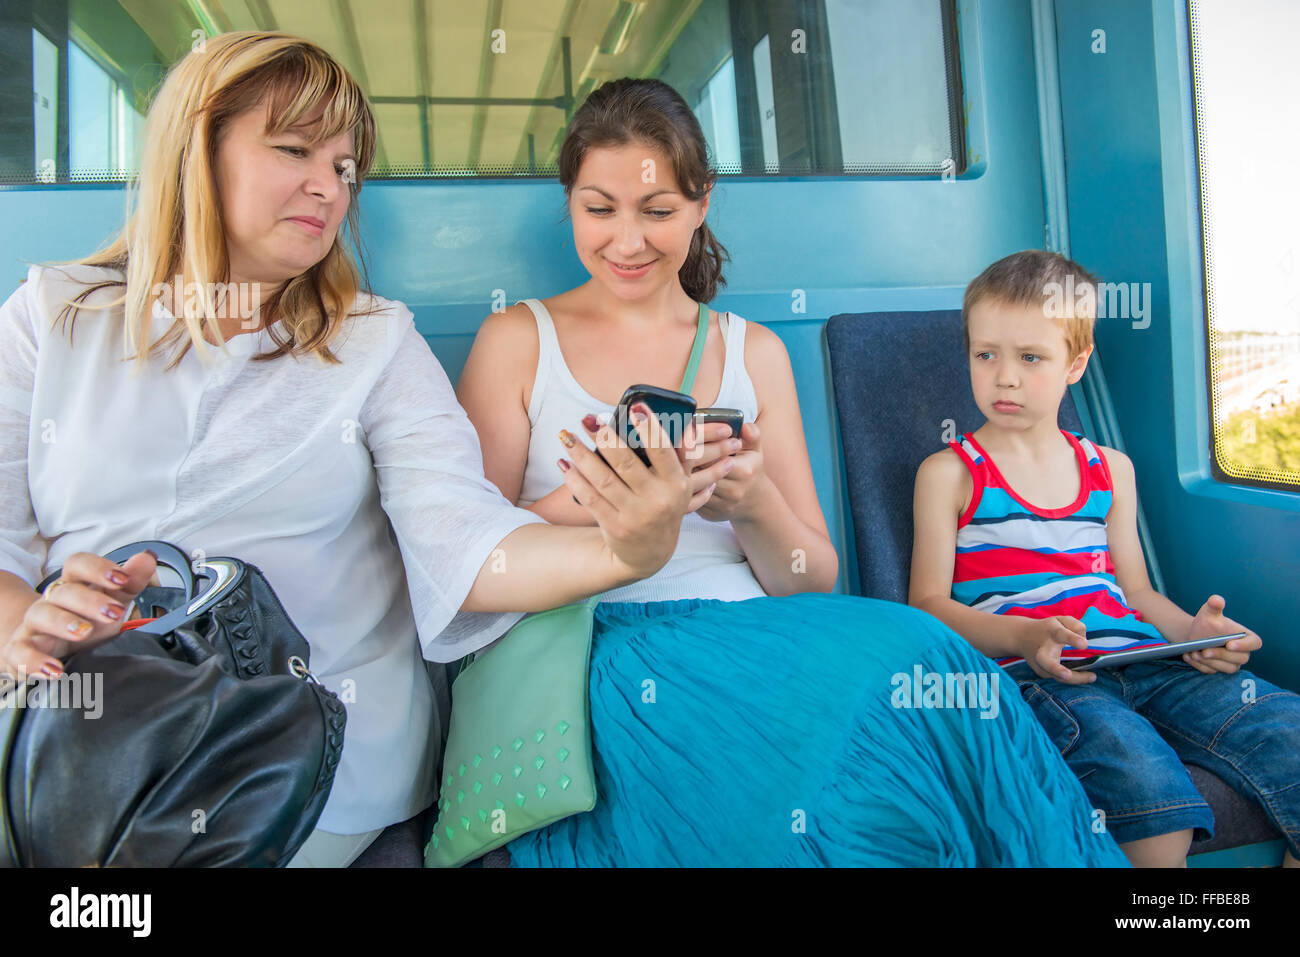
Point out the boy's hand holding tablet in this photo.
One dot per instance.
(1228, 659)
(1043, 640)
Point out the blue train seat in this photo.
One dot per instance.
(901, 379)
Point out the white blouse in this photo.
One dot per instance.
(357, 489)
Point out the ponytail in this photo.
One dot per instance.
(701, 274)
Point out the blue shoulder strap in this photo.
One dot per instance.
(697, 350)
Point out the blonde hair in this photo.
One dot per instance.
(1038, 277)
(176, 228)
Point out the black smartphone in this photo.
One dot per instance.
(732, 417)
(674, 409)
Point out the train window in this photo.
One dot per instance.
(1244, 71)
(105, 128)
(786, 87)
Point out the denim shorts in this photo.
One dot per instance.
(1128, 734)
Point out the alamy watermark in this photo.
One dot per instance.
(80, 691)
(1104, 300)
(946, 689)
(230, 300)
(131, 912)
(673, 425)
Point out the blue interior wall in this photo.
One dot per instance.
(850, 244)
(1133, 218)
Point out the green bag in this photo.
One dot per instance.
(518, 751)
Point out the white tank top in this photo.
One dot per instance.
(708, 562)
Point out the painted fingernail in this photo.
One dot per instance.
(637, 416)
(589, 422)
(112, 612)
(727, 466)
(117, 578)
(150, 551)
(734, 445)
(567, 438)
(564, 466)
(51, 670)
(81, 629)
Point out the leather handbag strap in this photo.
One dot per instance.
(697, 350)
(168, 555)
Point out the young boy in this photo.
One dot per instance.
(1026, 544)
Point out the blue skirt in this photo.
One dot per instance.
(811, 730)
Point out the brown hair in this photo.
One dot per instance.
(176, 227)
(1066, 291)
(633, 110)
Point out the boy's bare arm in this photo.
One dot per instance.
(942, 484)
(936, 506)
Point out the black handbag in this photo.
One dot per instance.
(214, 745)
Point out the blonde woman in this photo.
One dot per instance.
(219, 377)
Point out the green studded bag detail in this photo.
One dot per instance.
(518, 751)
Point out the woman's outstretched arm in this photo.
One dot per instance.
(639, 513)
(473, 562)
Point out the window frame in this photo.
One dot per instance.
(119, 101)
(1217, 473)
(961, 61)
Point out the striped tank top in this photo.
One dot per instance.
(1014, 558)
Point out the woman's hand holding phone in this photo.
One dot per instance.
(639, 509)
(734, 497)
(705, 453)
